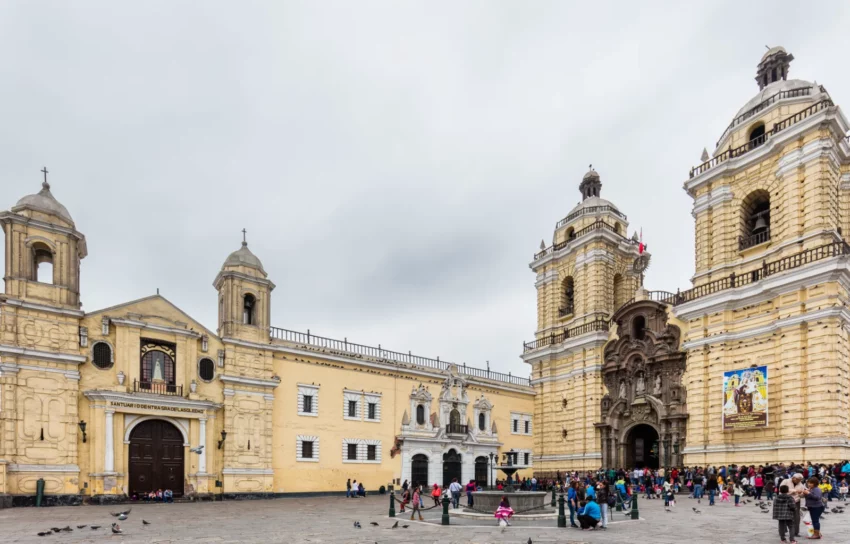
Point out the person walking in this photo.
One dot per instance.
(348, 489)
(436, 493)
(783, 512)
(416, 503)
(814, 502)
(795, 489)
(455, 489)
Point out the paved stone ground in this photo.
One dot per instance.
(320, 520)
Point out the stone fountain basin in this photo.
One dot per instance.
(488, 501)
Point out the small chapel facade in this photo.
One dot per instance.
(752, 363)
(109, 404)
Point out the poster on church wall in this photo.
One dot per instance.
(745, 399)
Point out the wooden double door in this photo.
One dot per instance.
(156, 458)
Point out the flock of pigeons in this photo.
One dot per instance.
(116, 529)
(374, 523)
(764, 507)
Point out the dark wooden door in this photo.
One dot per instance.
(156, 458)
(419, 471)
(481, 469)
(451, 467)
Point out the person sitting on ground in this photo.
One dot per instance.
(361, 491)
(589, 515)
(168, 495)
(504, 512)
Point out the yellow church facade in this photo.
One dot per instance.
(113, 403)
(752, 363)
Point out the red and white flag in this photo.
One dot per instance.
(641, 245)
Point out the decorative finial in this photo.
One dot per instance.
(767, 47)
(590, 166)
(542, 244)
(244, 237)
(45, 185)
(704, 156)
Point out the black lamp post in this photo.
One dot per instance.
(223, 438)
(492, 483)
(82, 425)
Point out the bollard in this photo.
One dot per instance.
(553, 497)
(392, 504)
(635, 513)
(562, 518)
(445, 520)
(39, 491)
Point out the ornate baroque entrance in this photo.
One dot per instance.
(645, 411)
(156, 458)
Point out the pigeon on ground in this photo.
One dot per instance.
(395, 525)
(116, 529)
(55, 529)
(95, 527)
(696, 511)
(699, 501)
(667, 509)
(765, 511)
(45, 533)
(529, 540)
(123, 513)
(373, 523)
(145, 522)
(804, 509)
(357, 525)
(81, 526)
(405, 526)
(197, 450)
(122, 517)
(67, 529)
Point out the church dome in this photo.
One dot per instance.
(244, 257)
(44, 202)
(773, 88)
(591, 175)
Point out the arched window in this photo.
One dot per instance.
(755, 219)
(567, 297)
(420, 415)
(249, 309)
(42, 261)
(639, 327)
(206, 369)
(757, 136)
(102, 355)
(157, 366)
(619, 288)
(454, 417)
(482, 422)
(571, 234)
(618, 229)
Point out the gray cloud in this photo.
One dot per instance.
(396, 165)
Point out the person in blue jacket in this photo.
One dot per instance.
(589, 515)
(572, 502)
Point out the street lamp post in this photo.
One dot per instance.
(491, 468)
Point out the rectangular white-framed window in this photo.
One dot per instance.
(307, 448)
(351, 403)
(373, 407)
(521, 423)
(359, 450)
(308, 400)
(526, 458)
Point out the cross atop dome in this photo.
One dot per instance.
(773, 66)
(590, 185)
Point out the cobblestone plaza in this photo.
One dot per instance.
(317, 519)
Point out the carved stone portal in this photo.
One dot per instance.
(644, 411)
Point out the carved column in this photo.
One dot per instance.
(109, 448)
(604, 441)
(202, 440)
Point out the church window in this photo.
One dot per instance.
(454, 417)
(527, 458)
(372, 411)
(158, 364)
(371, 452)
(249, 310)
(420, 415)
(206, 369)
(516, 425)
(42, 263)
(757, 136)
(351, 454)
(639, 327)
(102, 355)
(755, 219)
(352, 408)
(482, 422)
(527, 427)
(307, 449)
(567, 297)
(571, 234)
(307, 404)
(618, 229)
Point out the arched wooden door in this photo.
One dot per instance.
(481, 469)
(419, 471)
(156, 458)
(451, 467)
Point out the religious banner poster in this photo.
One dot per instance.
(745, 398)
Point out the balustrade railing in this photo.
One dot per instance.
(456, 428)
(732, 153)
(380, 354)
(596, 225)
(590, 210)
(781, 95)
(746, 242)
(566, 310)
(597, 325)
(157, 388)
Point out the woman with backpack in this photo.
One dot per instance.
(606, 500)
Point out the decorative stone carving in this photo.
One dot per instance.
(121, 377)
(656, 390)
(640, 388)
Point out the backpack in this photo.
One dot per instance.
(612, 502)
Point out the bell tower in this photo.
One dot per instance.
(244, 296)
(43, 251)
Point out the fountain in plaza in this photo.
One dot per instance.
(520, 500)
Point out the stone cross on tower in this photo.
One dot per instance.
(45, 184)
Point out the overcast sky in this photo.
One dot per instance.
(396, 164)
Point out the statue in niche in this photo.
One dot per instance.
(640, 388)
(622, 394)
(657, 389)
(158, 366)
